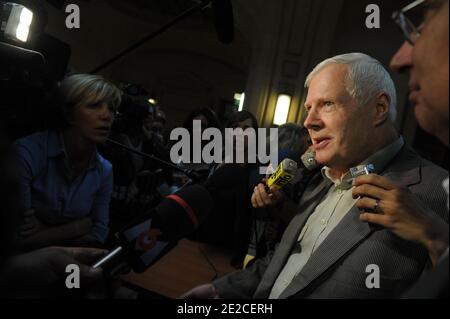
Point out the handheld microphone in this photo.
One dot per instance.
(285, 172)
(154, 234)
(256, 177)
(309, 160)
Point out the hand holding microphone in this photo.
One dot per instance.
(268, 194)
(263, 199)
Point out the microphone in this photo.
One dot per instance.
(193, 175)
(222, 11)
(154, 234)
(309, 160)
(225, 177)
(255, 176)
(284, 174)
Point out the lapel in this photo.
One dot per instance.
(348, 233)
(290, 236)
(404, 169)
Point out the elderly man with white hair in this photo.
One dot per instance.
(327, 251)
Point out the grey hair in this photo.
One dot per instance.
(82, 89)
(366, 77)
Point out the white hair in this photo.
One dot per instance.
(365, 79)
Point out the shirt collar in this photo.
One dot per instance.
(55, 144)
(379, 159)
(445, 185)
(56, 148)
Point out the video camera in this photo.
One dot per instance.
(133, 109)
(32, 63)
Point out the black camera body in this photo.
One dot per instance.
(131, 114)
(29, 76)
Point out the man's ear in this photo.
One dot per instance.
(382, 104)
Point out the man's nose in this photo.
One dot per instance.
(312, 121)
(402, 59)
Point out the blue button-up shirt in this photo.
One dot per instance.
(44, 182)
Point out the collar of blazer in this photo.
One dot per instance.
(404, 168)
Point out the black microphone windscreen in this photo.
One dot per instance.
(225, 177)
(184, 210)
(223, 20)
(153, 235)
(309, 160)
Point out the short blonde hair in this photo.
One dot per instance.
(83, 89)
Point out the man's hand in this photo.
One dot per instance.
(394, 207)
(207, 291)
(34, 274)
(262, 199)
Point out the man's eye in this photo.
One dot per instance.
(328, 103)
(427, 16)
(430, 9)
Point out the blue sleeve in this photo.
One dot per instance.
(24, 166)
(100, 206)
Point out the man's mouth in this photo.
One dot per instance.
(321, 142)
(414, 92)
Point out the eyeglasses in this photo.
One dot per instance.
(411, 18)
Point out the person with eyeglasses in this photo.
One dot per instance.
(424, 55)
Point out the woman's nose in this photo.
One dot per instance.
(106, 113)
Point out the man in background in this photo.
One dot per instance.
(424, 55)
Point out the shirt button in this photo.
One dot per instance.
(323, 221)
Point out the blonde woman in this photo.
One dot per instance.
(65, 183)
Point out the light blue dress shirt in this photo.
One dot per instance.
(45, 181)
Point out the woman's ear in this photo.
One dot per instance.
(382, 105)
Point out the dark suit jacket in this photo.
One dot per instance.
(433, 285)
(337, 269)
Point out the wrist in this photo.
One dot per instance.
(436, 240)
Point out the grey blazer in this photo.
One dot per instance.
(337, 269)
